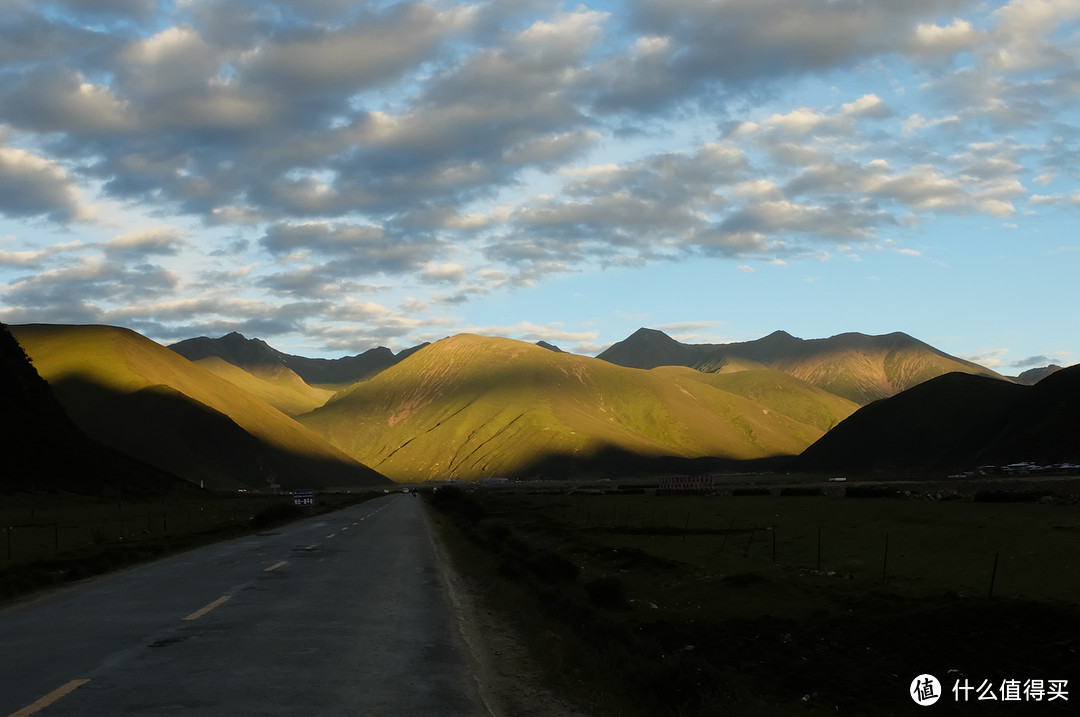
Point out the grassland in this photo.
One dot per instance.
(646, 605)
(47, 539)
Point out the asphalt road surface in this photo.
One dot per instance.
(343, 614)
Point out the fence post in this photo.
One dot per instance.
(819, 549)
(993, 575)
(56, 536)
(885, 559)
(8, 531)
(753, 529)
(774, 544)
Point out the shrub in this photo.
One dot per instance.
(274, 514)
(552, 567)
(607, 592)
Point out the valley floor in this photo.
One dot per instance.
(774, 605)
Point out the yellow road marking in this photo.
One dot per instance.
(275, 566)
(49, 698)
(202, 611)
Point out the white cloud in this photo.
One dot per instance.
(451, 273)
(32, 185)
(930, 40)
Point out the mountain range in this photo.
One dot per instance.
(235, 413)
(856, 366)
(472, 407)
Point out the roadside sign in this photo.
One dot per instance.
(304, 496)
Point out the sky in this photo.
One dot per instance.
(331, 175)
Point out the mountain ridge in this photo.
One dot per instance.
(860, 367)
(257, 357)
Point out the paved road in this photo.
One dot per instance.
(344, 614)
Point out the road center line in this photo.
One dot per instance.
(331, 535)
(202, 611)
(49, 698)
(275, 566)
(312, 546)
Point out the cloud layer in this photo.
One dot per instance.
(352, 172)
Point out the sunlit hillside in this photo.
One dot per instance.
(137, 396)
(276, 385)
(472, 407)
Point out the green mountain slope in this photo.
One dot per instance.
(276, 385)
(855, 366)
(472, 407)
(139, 397)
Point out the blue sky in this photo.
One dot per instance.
(332, 176)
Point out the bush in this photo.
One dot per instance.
(801, 491)
(274, 514)
(552, 567)
(607, 592)
(453, 500)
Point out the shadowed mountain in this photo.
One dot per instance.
(957, 421)
(1033, 375)
(260, 359)
(44, 450)
(856, 366)
(472, 407)
(138, 397)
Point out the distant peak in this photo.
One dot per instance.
(234, 336)
(652, 334)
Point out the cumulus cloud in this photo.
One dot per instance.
(163, 240)
(354, 249)
(465, 149)
(1031, 361)
(932, 41)
(451, 273)
(695, 44)
(529, 331)
(31, 185)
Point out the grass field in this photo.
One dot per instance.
(689, 605)
(50, 538)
